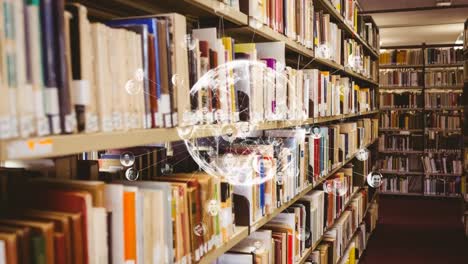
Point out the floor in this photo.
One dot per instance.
(417, 230)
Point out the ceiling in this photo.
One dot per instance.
(412, 22)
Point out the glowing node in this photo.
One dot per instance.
(362, 154)
(127, 159)
(131, 174)
(374, 179)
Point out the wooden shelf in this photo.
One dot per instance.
(401, 131)
(419, 194)
(399, 66)
(403, 173)
(401, 152)
(261, 222)
(401, 87)
(240, 233)
(61, 145)
(455, 87)
(360, 76)
(401, 109)
(444, 108)
(444, 65)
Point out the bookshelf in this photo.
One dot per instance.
(430, 107)
(237, 25)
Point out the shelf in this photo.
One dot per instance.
(444, 65)
(61, 145)
(240, 233)
(445, 108)
(330, 9)
(401, 109)
(329, 63)
(454, 87)
(401, 131)
(401, 87)
(397, 66)
(455, 130)
(419, 194)
(403, 173)
(402, 152)
(360, 76)
(443, 175)
(261, 222)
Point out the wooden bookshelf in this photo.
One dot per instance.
(401, 131)
(401, 109)
(399, 66)
(401, 87)
(418, 194)
(240, 233)
(403, 173)
(453, 65)
(401, 152)
(61, 145)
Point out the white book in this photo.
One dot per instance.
(2, 252)
(113, 194)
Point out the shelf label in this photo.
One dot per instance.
(29, 148)
(405, 132)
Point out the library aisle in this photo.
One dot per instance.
(417, 230)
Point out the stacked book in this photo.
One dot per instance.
(444, 78)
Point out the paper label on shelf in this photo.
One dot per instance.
(29, 148)
(405, 132)
(4, 127)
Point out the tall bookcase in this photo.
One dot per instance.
(415, 79)
(242, 27)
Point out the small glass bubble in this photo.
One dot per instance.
(177, 80)
(362, 154)
(229, 133)
(132, 88)
(213, 207)
(139, 75)
(229, 160)
(374, 179)
(167, 169)
(303, 234)
(340, 186)
(262, 165)
(131, 174)
(323, 51)
(329, 186)
(199, 229)
(258, 244)
(315, 132)
(256, 24)
(127, 159)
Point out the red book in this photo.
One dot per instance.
(59, 248)
(290, 249)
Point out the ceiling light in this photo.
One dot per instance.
(443, 3)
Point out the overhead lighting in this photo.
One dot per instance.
(443, 3)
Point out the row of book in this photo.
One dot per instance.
(349, 10)
(71, 221)
(369, 32)
(447, 143)
(441, 100)
(443, 163)
(283, 239)
(394, 184)
(157, 64)
(358, 243)
(355, 59)
(400, 78)
(401, 120)
(444, 186)
(393, 163)
(329, 41)
(389, 100)
(444, 78)
(401, 57)
(388, 142)
(294, 19)
(450, 120)
(443, 55)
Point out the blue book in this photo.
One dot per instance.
(151, 23)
